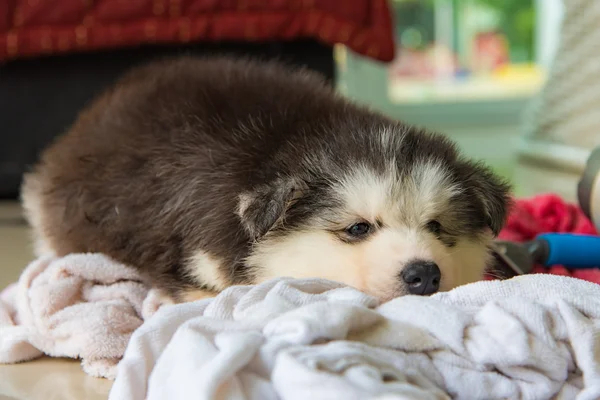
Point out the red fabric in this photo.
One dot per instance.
(35, 27)
(544, 214)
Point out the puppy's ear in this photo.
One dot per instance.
(494, 194)
(262, 208)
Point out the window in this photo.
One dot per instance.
(456, 50)
(467, 68)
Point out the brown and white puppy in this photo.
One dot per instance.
(205, 173)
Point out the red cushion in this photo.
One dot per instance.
(36, 27)
(549, 213)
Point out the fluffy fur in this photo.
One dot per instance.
(204, 173)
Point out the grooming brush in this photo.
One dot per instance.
(574, 251)
(571, 250)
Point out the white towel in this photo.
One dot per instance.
(532, 337)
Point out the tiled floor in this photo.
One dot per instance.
(43, 379)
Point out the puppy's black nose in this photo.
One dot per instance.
(421, 277)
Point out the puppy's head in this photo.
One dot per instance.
(399, 212)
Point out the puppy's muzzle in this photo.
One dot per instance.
(421, 277)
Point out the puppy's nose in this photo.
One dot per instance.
(421, 277)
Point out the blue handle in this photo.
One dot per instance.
(572, 250)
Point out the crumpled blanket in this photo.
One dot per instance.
(531, 337)
(80, 306)
(87, 306)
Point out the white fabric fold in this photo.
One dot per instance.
(530, 337)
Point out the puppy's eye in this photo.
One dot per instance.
(434, 227)
(359, 229)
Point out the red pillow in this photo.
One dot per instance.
(36, 27)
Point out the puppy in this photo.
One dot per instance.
(207, 173)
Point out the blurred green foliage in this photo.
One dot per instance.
(517, 21)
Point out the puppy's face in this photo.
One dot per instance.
(398, 227)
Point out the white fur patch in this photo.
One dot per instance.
(244, 201)
(366, 194)
(206, 270)
(408, 202)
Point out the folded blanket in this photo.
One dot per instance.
(531, 337)
(81, 306)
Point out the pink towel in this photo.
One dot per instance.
(82, 306)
